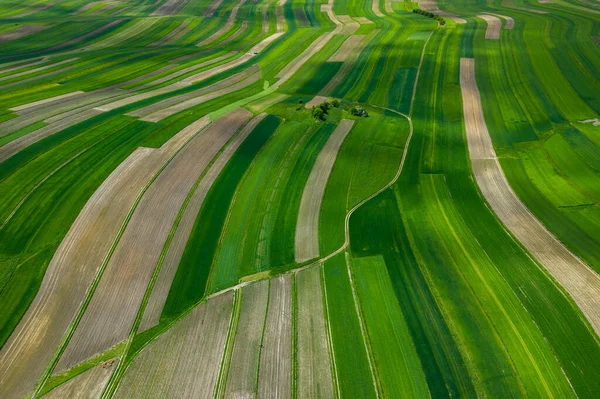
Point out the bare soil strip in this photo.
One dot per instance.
(511, 4)
(350, 25)
(346, 48)
(74, 267)
(170, 7)
(376, 9)
(20, 32)
(46, 101)
(493, 26)
(201, 97)
(13, 147)
(244, 365)
(42, 68)
(33, 11)
(16, 65)
(212, 7)
(307, 228)
(363, 20)
(159, 294)
(184, 362)
(87, 385)
(275, 373)
(186, 96)
(388, 6)
(314, 367)
(116, 301)
(265, 102)
(582, 283)
(510, 23)
(348, 63)
(172, 36)
(431, 6)
(236, 34)
(225, 27)
(316, 100)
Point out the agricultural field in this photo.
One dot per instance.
(299, 199)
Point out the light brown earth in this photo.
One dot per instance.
(307, 227)
(350, 25)
(431, 6)
(243, 368)
(581, 282)
(348, 63)
(347, 48)
(74, 267)
(376, 9)
(168, 270)
(20, 32)
(87, 385)
(314, 366)
(16, 65)
(265, 102)
(39, 69)
(184, 362)
(493, 26)
(173, 109)
(116, 301)
(511, 4)
(225, 27)
(46, 101)
(510, 23)
(196, 93)
(170, 7)
(363, 20)
(212, 7)
(316, 100)
(172, 36)
(275, 373)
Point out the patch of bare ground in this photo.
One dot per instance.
(316, 100)
(46, 101)
(314, 366)
(307, 227)
(347, 48)
(20, 32)
(511, 4)
(39, 69)
(493, 26)
(184, 362)
(170, 7)
(510, 23)
(243, 368)
(225, 27)
(16, 65)
(198, 99)
(431, 6)
(87, 385)
(350, 25)
(161, 288)
(75, 265)
(265, 102)
(376, 9)
(363, 20)
(581, 282)
(348, 63)
(172, 36)
(115, 303)
(593, 121)
(212, 7)
(275, 373)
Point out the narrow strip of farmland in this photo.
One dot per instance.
(431, 6)
(168, 269)
(346, 49)
(307, 228)
(20, 32)
(244, 365)
(184, 362)
(75, 265)
(39, 69)
(172, 36)
(225, 27)
(493, 26)
(87, 385)
(510, 23)
(170, 7)
(314, 364)
(582, 284)
(115, 303)
(275, 373)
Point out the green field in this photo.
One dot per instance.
(346, 130)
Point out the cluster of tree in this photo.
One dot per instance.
(429, 14)
(357, 110)
(320, 111)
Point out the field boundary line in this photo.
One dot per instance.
(90, 291)
(331, 350)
